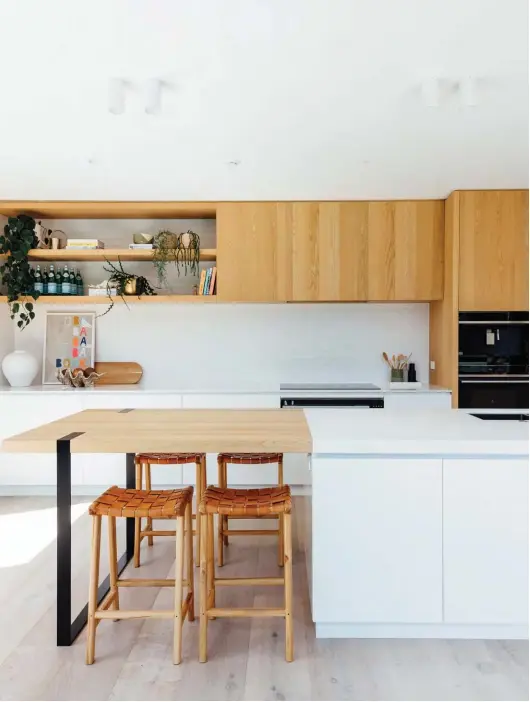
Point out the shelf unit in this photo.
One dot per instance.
(104, 300)
(94, 255)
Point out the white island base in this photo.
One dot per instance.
(431, 543)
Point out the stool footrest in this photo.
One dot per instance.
(249, 612)
(249, 532)
(135, 614)
(250, 581)
(146, 582)
(159, 532)
(245, 516)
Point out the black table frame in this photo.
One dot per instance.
(67, 631)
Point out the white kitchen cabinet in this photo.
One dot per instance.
(417, 400)
(237, 475)
(377, 540)
(485, 541)
(19, 413)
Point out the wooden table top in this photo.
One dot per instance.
(171, 431)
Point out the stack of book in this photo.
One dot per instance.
(141, 247)
(208, 281)
(84, 244)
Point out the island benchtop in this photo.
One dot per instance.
(170, 431)
(319, 431)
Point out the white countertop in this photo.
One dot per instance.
(426, 432)
(143, 389)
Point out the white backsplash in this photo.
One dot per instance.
(256, 345)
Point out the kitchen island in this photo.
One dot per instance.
(418, 521)
(419, 525)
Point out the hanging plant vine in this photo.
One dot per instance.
(184, 250)
(15, 273)
(119, 279)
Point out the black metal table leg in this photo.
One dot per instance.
(67, 631)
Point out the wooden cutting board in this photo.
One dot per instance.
(119, 372)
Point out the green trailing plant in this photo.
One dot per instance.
(184, 250)
(119, 278)
(16, 274)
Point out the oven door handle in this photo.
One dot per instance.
(494, 382)
(493, 322)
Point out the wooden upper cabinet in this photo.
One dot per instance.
(254, 251)
(405, 250)
(330, 251)
(493, 272)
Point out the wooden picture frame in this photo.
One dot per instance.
(69, 342)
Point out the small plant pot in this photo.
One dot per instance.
(168, 241)
(130, 287)
(397, 375)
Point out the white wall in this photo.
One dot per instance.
(7, 339)
(220, 345)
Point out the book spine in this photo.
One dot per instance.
(212, 281)
(201, 284)
(207, 281)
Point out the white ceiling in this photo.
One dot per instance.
(317, 99)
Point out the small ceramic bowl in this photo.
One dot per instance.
(143, 238)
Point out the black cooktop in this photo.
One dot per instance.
(507, 417)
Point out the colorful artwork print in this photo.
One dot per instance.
(69, 342)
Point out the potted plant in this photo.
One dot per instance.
(182, 250)
(125, 284)
(16, 274)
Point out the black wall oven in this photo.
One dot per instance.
(493, 360)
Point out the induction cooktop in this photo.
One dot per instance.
(330, 387)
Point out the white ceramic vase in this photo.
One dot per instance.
(20, 368)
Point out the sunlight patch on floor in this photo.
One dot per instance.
(23, 535)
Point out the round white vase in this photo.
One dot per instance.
(20, 368)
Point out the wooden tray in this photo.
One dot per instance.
(119, 372)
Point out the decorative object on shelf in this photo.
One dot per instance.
(142, 238)
(69, 343)
(125, 284)
(78, 377)
(102, 290)
(397, 365)
(182, 250)
(119, 372)
(15, 273)
(20, 368)
(44, 236)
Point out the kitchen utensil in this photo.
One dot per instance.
(119, 372)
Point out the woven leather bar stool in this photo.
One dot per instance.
(154, 504)
(249, 503)
(223, 530)
(143, 462)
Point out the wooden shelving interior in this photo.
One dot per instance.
(104, 209)
(88, 255)
(104, 300)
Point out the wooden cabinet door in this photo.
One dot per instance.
(254, 251)
(405, 250)
(493, 250)
(330, 250)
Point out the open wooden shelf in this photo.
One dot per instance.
(104, 300)
(87, 255)
(79, 209)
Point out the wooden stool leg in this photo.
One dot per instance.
(203, 594)
(137, 521)
(220, 519)
(179, 566)
(199, 467)
(211, 564)
(190, 570)
(113, 563)
(280, 520)
(93, 589)
(288, 576)
(225, 519)
(148, 487)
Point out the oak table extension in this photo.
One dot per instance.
(131, 431)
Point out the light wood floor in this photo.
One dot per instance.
(133, 658)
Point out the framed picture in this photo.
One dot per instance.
(69, 342)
